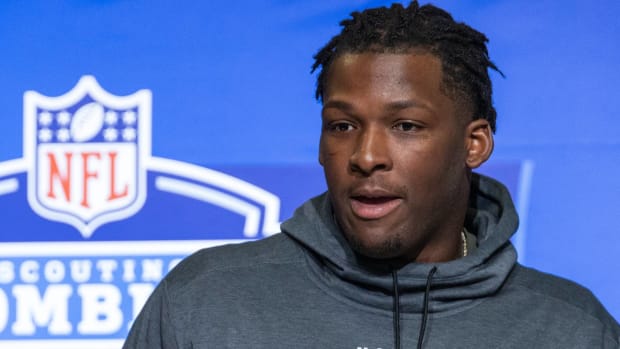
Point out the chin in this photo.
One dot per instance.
(389, 248)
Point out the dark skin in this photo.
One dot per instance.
(397, 152)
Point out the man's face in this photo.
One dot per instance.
(393, 149)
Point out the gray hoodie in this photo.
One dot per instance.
(305, 288)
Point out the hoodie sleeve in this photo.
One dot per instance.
(153, 328)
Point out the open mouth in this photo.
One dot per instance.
(367, 207)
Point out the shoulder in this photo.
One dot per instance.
(210, 284)
(564, 296)
(233, 259)
(554, 287)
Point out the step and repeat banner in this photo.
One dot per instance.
(135, 133)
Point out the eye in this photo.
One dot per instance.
(406, 126)
(340, 126)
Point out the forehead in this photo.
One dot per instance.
(386, 77)
(386, 68)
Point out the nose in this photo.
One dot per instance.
(371, 153)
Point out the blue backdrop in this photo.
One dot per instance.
(226, 138)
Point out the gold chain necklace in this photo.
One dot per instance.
(464, 239)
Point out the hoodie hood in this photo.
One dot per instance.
(456, 285)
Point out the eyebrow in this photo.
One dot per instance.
(338, 104)
(392, 106)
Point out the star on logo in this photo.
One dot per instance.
(63, 135)
(129, 134)
(111, 117)
(45, 135)
(63, 118)
(45, 118)
(129, 117)
(110, 134)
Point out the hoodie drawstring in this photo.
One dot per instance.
(396, 310)
(427, 293)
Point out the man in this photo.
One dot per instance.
(408, 247)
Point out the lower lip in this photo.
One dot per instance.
(375, 210)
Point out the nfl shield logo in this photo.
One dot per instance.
(87, 151)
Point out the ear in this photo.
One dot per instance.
(479, 143)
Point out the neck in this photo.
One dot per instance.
(446, 249)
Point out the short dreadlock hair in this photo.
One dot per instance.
(461, 49)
